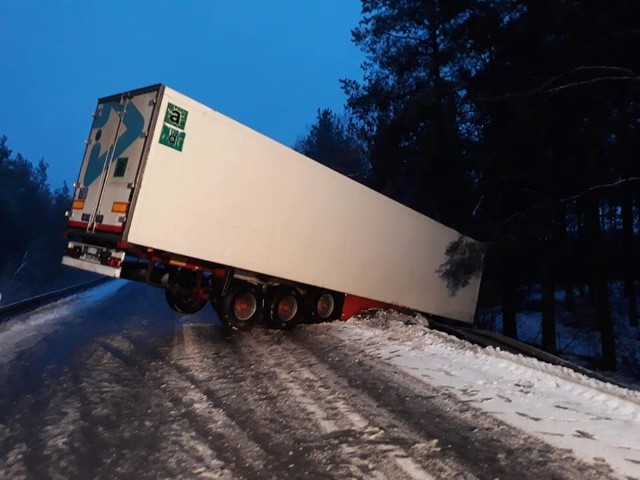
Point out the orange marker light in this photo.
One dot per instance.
(120, 207)
(77, 205)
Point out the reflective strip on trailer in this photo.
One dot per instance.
(74, 224)
(109, 228)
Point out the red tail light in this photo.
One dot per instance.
(114, 262)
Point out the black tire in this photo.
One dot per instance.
(185, 304)
(324, 305)
(240, 308)
(284, 307)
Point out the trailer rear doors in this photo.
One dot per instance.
(112, 161)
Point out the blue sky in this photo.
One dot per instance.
(269, 64)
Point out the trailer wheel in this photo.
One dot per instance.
(323, 305)
(240, 308)
(284, 308)
(181, 303)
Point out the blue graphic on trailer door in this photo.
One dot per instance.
(133, 124)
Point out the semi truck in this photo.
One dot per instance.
(175, 194)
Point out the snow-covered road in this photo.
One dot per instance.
(114, 385)
(598, 422)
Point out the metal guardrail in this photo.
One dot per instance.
(23, 306)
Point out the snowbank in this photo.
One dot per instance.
(600, 422)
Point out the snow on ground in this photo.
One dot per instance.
(578, 337)
(598, 421)
(23, 331)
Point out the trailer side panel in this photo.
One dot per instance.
(216, 190)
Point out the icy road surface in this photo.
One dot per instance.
(112, 384)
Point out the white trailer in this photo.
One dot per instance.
(178, 195)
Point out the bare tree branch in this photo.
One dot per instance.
(405, 37)
(544, 89)
(586, 68)
(593, 81)
(562, 201)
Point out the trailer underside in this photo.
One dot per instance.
(240, 298)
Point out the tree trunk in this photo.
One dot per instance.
(567, 278)
(627, 222)
(601, 291)
(548, 266)
(509, 302)
(592, 224)
(548, 287)
(629, 260)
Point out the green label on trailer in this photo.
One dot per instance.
(121, 167)
(172, 137)
(175, 119)
(176, 116)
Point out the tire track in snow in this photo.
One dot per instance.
(380, 447)
(130, 427)
(251, 396)
(22, 433)
(227, 451)
(486, 446)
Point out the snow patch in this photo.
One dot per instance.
(26, 330)
(598, 421)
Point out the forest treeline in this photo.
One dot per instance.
(32, 221)
(515, 122)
